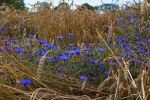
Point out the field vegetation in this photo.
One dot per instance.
(80, 54)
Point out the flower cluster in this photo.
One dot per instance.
(87, 63)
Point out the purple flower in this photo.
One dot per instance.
(13, 41)
(70, 34)
(7, 44)
(123, 25)
(125, 47)
(106, 73)
(30, 36)
(25, 82)
(70, 52)
(138, 42)
(18, 50)
(49, 46)
(85, 49)
(101, 66)
(59, 37)
(54, 59)
(122, 38)
(41, 51)
(7, 48)
(5, 37)
(65, 58)
(59, 55)
(42, 41)
(83, 78)
(71, 45)
(112, 62)
(147, 53)
(100, 49)
(94, 61)
(119, 57)
(119, 19)
(141, 50)
(128, 17)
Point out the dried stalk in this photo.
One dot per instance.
(41, 66)
(142, 86)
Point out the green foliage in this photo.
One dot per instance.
(107, 7)
(18, 4)
(87, 6)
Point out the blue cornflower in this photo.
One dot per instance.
(76, 50)
(7, 48)
(18, 50)
(54, 59)
(70, 34)
(25, 82)
(119, 19)
(145, 40)
(5, 37)
(127, 53)
(83, 78)
(101, 66)
(147, 53)
(13, 41)
(85, 49)
(122, 38)
(123, 25)
(141, 50)
(135, 47)
(7, 44)
(73, 52)
(100, 49)
(137, 21)
(125, 47)
(49, 46)
(38, 60)
(128, 17)
(41, 51)
(71, 45)
(132, 22)
(112, 62)
(106, 73)
(138, 63)
(65, 58)
(94, 61)
(59, 55)
(30, 36)
(42, 41)
(132, 60)
(70, 52)
(138, 42)
(59, 37)
(119, 57)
